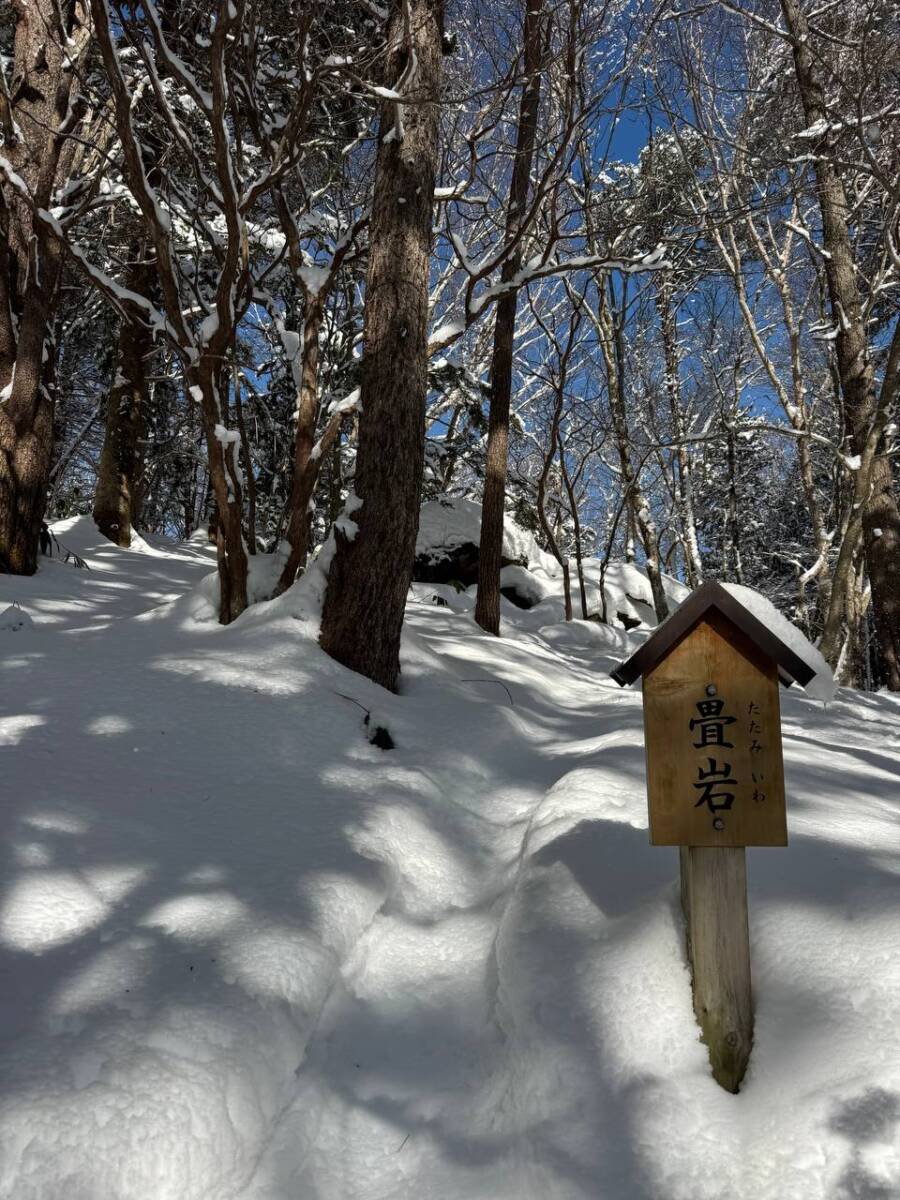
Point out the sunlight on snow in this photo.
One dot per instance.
(13, 729)
(109, 724)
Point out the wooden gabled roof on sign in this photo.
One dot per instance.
(712, 596)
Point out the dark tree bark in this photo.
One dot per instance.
(487, 604)
(117, 499)
(246, 456)
(51, 42)
(876, 509)
(371, 570)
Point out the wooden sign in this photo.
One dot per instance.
(715, 784)
(712, 727)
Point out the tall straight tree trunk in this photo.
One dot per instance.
(731, 557)
(207, 380)
(875, 498)
(685, 485)
(370, 573)
(549, 533)
(576, 529)
(638, 506)
(51, 41)
(487, 604)
(304, 479)
(116, 500)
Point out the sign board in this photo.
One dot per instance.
(715, 784)
(712, 726)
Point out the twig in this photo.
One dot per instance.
(499, 683)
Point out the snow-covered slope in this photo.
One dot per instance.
(247, 954)
(115, 583)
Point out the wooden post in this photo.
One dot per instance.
(714, 898)
(715, 784)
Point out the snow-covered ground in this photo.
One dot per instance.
(246, 954)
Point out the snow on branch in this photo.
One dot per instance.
(539, 268)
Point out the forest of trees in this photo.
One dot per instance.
(626, 270)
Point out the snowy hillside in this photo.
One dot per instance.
(248, 955)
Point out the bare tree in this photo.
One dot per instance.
(876, 512)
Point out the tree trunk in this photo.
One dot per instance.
(305, 469)
(576, 524)
(116, 501)
(209, 380)
(247, 459)
(51, 41)
(638, 505)
(549, 533)
(371, 570)
(874, 488)
(685, 485)
(487, 604)
(732, 548)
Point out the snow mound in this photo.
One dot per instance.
(445, 525)
(628, 594)
(14, 618)
(527, 587)
(450, 532)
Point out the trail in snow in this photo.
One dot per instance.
(245, 953)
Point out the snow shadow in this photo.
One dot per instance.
(870, 1118)
(432, 1093)
(613, 863)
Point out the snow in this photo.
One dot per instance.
(447, 524)
(816, 130)
(444, 525)
(524, 583)
(314, 278)
(448, 332)
(12, 178)
(822, 685)
(385, 93)
(247, 955)
(346, 522)
(226, 437)
(14, 618)
(117, 583)
(209, 327)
